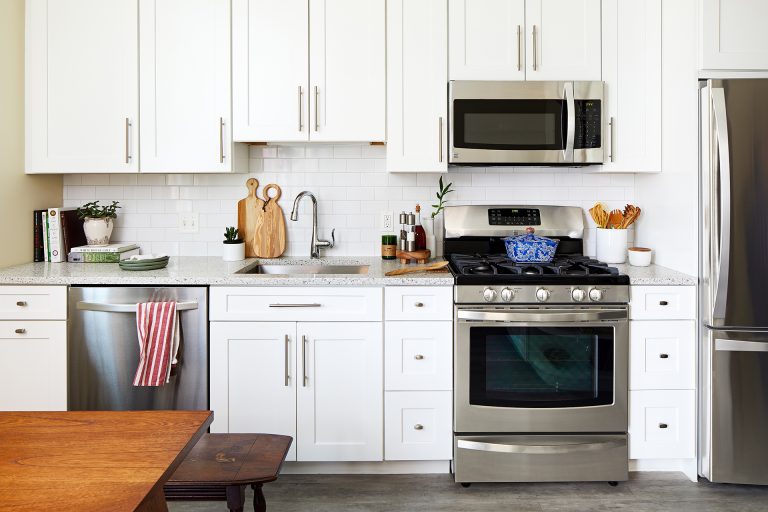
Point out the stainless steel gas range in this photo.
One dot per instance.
(540, 352)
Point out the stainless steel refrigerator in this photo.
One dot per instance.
(733, 355)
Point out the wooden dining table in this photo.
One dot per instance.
(93, 461)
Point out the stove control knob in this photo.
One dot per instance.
(489, 294)
(542, 294)
(507, 294)
(578, 294)
(595, 295)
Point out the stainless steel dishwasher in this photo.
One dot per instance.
(104, 350)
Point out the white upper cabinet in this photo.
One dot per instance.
(82, 98)
(417, 91)
(632, 75)
(270, 74)
(309, 70)
(185, 90)
(486, 39)
(563, 40)
(733, 35)
(347, 55)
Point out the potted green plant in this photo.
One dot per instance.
(442, 191)
(234, 246)
(98, 221)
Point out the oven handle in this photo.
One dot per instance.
(538, 449)
(552, 315)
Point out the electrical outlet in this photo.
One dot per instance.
(189, 222)
(387, 221)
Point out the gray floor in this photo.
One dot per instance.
(653, 492)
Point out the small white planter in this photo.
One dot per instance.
(612, 245)
(234, 252)
(98, 230)
(429, 229)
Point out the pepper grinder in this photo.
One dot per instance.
(411, 234)
(403, 242)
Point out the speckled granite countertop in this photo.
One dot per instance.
(195, 270)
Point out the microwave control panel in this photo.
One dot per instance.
(588, 124)
(514, 217)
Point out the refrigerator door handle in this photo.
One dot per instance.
(722, 345)
(722, 166)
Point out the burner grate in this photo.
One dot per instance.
(493, 264)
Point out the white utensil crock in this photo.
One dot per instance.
(612, 245)
(234, 252)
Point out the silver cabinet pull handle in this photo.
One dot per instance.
(21, 303)
(304, 360)
(418, 357)
(611, 129)
(664, 356)
(418, 426)
(20, 331)
(419, 304)
(519, 48)
(127, 144)
(287, 375)
(663, 425)
(308, 305)
(301, 120)
(535, 52)
(440, 139)
(221, 140)
(317, 122)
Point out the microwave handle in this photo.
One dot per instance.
(571, 126)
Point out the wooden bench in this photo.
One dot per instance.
(220, 466)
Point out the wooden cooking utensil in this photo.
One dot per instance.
(249, 212)
(269, 239)
(420, 268)
(616, 219)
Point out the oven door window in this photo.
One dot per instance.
(524, 125)
(541, 367)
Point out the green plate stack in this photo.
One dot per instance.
(145, 264)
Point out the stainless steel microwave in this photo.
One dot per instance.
(538, 123)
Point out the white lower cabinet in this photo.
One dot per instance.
(418, 356)
(662, 424)
(33, 365)
(418, 425)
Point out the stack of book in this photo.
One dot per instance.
(56, 231)
(113, 253)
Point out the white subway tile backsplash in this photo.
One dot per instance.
(352, 188)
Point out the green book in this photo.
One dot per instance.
(100, 257)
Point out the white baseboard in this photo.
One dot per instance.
(367, 468)
(685, 466)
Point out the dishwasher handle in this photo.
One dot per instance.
(127, 308)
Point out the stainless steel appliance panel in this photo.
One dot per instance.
(104, 350)
(610, 417)
(540, 458)
(472, 220)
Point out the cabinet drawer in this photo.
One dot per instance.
(417, 425)
(419, 303)
(295, 304)
(662, 303)
(662, 424)
(418, 356)
(33, 302)
(662, 354)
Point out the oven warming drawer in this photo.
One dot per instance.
(541, 458)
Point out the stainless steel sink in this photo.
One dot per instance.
(305, 269)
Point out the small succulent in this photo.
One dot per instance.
(231, 235)
(442, 192)
(96, 211)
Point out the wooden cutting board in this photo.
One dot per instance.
(269, 239)
(250, 211)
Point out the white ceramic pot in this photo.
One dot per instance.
(234, 252)
(98, 230)
(612, 245)
(639, 256)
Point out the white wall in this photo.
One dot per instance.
(352, 188)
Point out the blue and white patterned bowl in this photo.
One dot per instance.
(530, 248)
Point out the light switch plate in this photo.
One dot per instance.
(189, 222)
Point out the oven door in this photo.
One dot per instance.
(541, 369)
(525, 122)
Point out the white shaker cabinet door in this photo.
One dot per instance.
(417, 92)
(82, 98)
(184, 48)
(340, 391)
(563, 40)
(486, 39)
(733, 35)
(253, 378)
(347, 65)
(270, 72)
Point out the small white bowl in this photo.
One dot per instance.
(639, 256)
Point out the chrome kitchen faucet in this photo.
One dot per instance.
(315, 243)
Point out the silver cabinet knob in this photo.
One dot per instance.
(507, 294)
(418, 426)
(489, 294)
(595, 295)
(664, 356)
(663, 425)
(21, 303)
(418, 357)
(20, 331)
(542, 294)
(419, 305)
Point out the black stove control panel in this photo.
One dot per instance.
(514, 217)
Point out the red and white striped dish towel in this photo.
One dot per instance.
(159, 336)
